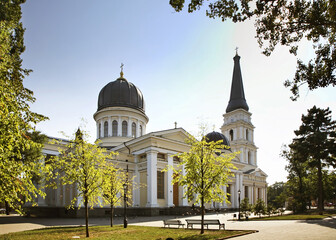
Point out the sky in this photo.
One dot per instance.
(182, 63)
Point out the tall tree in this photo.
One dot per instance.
(82, 164)
(276, 194)
(297, 178)
(207, 169)
(286, 22)
(16, 118)
(113, 187)
(316, 142)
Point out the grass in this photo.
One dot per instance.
(310, 215)
(120, 233)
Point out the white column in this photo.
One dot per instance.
(169, 182)
(101, 128)
(237, 185)
(136, 185)
(143, 129)
(119, 127)
(152, 179)
(129, 128)
(109, 127)
(184, 200)
(224, 203)
(97, 123)
(137, 129)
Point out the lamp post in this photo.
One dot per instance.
(239, 205)
(125, 203)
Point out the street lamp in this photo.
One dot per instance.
(239, 205)
(125, 203)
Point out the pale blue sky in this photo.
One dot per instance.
(181, 62)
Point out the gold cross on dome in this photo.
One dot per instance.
(236, 50)
(122, 66)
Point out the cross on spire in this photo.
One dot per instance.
(236, 51)
(121, 68)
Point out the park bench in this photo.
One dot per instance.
(173, 222)
(207, 222)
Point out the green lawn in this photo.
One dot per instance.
(313, 215)
(120, 233)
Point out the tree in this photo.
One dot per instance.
(245, 207)
(207, 168)
(276, 194)
(16, 118)
(297, 175)
(82, 164)
(286, 23)
(113, 187)
(316, 143)
(259, 208)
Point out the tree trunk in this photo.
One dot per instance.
(112, 210)
(203, 211)
(320, 188)
(7, 208)
(86, 216)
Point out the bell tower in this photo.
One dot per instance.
(237, 126)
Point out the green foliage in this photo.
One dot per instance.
(82, 164)
(286, 23)
(245, 207)
(207, 168)
(16, 119)
(113, 187)
(315, 143)
(276, 194)
(259, 208)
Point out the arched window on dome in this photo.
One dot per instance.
(124, 129)
(140, 130)
(231, 135)
(105, 129)
(247, 134)
(99, 130)
(133, 129)
(114, 128)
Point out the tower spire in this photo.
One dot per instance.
(237, 96)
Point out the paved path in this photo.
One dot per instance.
(274, 230)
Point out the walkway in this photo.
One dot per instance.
(274, 230)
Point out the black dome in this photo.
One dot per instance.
(121, 93)
(216, 136)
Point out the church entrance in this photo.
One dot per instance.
(175, 193)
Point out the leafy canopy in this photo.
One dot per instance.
(285, 22)
(207, 169)
(16, 118)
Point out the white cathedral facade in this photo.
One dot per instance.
(121, 127)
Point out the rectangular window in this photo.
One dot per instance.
(160, 185)
(246, 192)
(161, 156)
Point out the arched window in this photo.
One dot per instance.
(124, 129)
(133, 129)
(140, 130)
(249, 160)
(114, 128)
(247, 134)
(99, 130)
(105, 129)
(231, 135)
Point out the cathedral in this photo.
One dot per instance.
(121, 127)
